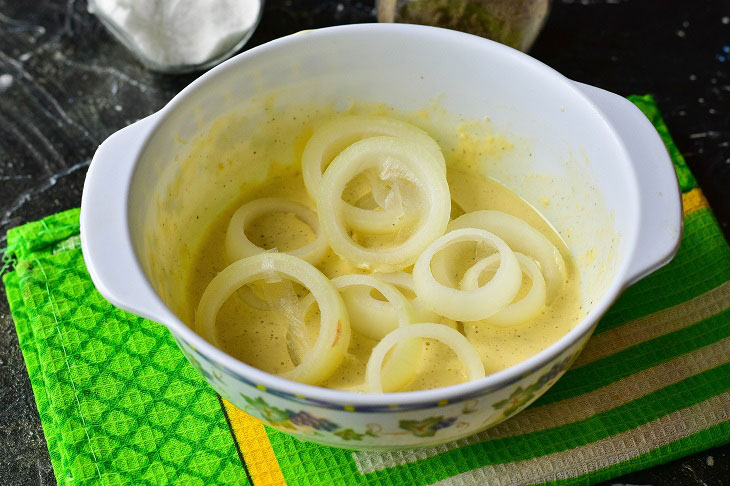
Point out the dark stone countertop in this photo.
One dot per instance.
(65, 85)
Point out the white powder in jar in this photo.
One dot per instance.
(180, 32)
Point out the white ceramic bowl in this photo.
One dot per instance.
(596, 158)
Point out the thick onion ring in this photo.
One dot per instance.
(334, 136)
(523, 238)
(334, 333)
(239, 246)
(468, 305)
(521, 311)
(454, 339)
(397, 312)
(396, 154)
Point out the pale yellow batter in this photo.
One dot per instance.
(259, 337)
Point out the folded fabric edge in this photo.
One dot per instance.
(36, 235)
(59, 461)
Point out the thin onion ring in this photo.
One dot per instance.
(239, 246)
(523, 238)
(334, 334)
(518, 312)
(396, 154)
(454, 339)
(468, 305)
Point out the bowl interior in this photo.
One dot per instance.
(566, 161)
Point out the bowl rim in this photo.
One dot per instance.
(319, 396)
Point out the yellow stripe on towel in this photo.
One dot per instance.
(693, 201)
(255, 446)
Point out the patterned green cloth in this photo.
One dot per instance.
(118, 402)
(120, 405)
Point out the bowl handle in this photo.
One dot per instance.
(660, 203)
(105, 240)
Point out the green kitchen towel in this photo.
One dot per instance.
(120, 404)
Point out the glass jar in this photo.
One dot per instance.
(180, 37)
(515, 23)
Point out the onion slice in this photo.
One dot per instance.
(454, 339)
(239, 246)
(334, 333)
(523, 238)
(403, 280)
(371, 317)
(376, 321)
(395, 155)
(521, 311)
(468, 305)
(392, 217)
(334, 136)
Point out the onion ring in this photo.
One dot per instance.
(390, 154)
(239, 246)
(374, 319)
(403, 280)
(371, 317)
(334, 136)
(377, 325)
(391, 219)
(523, 238)
(334, 333)
(521, 311)
(468, 305)
(454, 339)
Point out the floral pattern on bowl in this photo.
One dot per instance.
(522, 397)
(363, 428)
(304, 422)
